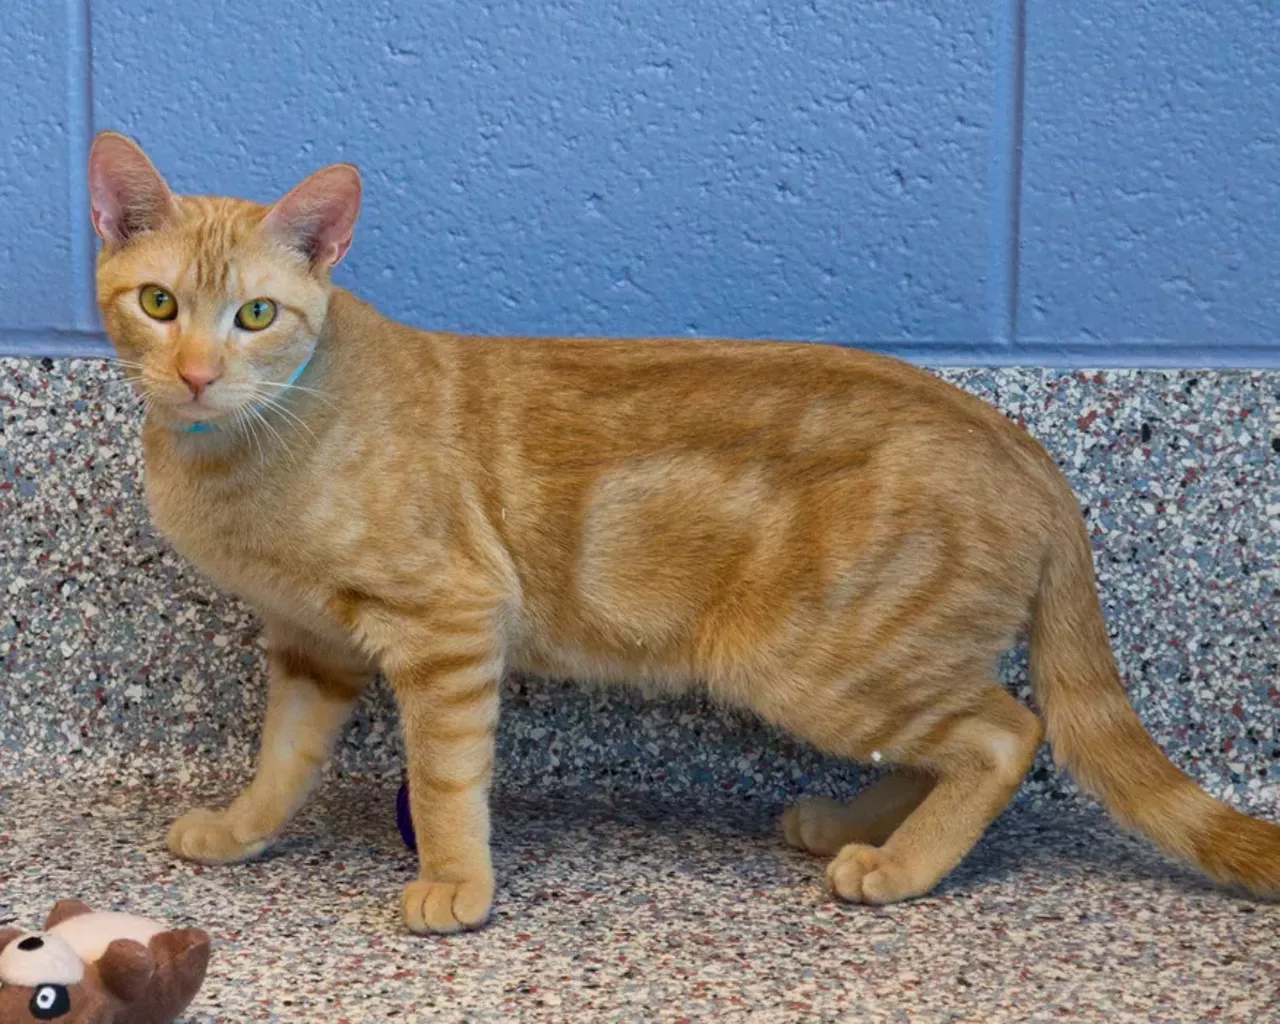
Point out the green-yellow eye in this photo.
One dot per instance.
(256, 314)
(157, 303)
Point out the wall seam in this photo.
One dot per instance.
(80, 138)
(1006, 171)
(1155, 353)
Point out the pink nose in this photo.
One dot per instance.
(198, 378)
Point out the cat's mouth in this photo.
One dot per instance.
(195, 410)
(207, 410)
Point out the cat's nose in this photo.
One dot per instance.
(198, 378)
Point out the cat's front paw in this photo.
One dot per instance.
(209, 837)
(439, 908)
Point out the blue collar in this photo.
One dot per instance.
(205, 427)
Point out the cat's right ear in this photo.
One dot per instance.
(126, 193)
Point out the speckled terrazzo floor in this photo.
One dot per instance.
(658, 910)
(640, 878)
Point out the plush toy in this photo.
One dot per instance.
(99, 968)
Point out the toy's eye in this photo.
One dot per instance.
(50, 1002)
(157, 303)
(256, 314)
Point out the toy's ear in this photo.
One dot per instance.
(190, 945)
(126, 969)
(65, 910)
(182, 960)
(7, 935)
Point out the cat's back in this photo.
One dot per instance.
(595, 392)
(567, 401)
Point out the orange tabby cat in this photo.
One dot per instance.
(836, 540)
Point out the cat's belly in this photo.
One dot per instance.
(539, 658)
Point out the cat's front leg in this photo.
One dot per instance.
(448, 697)
(313, 688)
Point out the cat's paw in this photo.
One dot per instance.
(209, 837)
(866, 874)
(439, 908)
(819, 825)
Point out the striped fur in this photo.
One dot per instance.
(836, 540)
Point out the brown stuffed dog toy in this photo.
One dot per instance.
(88, 968)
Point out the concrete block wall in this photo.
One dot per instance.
(1080, 183)
(1015, 182)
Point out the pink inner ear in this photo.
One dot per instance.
(127, 194)
(318, 217)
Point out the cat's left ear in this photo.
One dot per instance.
(318, 217)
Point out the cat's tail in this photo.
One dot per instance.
(1095, 732)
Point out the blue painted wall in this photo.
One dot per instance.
(37, 272)
(1151, 196)
(846, 171)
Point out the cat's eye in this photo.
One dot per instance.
(256, 314)
(157, 303)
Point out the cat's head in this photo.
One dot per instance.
(213, 303)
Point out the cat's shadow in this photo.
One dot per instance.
(1060, 840)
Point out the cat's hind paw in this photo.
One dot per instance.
(867, 874)
(819, 825)
(439, 908)
(209, 837)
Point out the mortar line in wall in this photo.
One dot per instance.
(1005, 227)
(80, 138)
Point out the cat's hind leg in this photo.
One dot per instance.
(979, 757)
(313, 689)
(822, 826)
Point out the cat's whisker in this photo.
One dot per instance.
(127, 378)
(127, 396)
(294, 418)
(129, 371)
(257, 414)
(273, 403)
(150, 401)
(139, 396)
(298, 387)
(242, 416)
(117, 361)
(282, 385)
